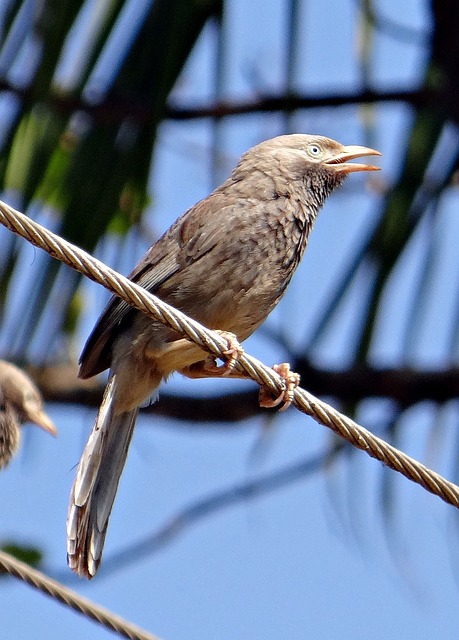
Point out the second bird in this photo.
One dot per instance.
(225, 262)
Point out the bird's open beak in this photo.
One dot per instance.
(40, 418)
(340, 163)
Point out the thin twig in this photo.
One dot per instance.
(212, 342)
(196, 510)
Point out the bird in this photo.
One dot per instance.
(20, 401)
(226, 262)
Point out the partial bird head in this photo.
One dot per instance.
(318, 162)
(20, 401)
(317, 151)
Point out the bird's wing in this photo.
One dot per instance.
(189, 238)
(159, 263)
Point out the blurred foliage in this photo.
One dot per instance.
(30, 555)
(75, 145)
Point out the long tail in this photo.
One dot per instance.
(96, 483)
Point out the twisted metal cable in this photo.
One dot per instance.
(71, 599)
(214, 343)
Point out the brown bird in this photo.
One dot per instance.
(20, 401)
(226, 262)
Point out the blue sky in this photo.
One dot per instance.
(350, 551)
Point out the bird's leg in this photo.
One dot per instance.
(191, 360)
(173, 356)
(291, 380)
(208, 368)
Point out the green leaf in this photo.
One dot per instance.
(28, 554)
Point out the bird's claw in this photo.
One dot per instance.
(232, 355)
(291, 381)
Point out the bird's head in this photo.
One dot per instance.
(19, 393)
(317, 151)
(32, 411)
(315, 164)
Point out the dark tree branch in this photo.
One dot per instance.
(293, 102)
(404, 386)
(116, 108)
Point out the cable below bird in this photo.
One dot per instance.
(226, 262)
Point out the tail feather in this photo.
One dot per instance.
(96, 483)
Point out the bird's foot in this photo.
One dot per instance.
(209, 368)
(232, 355)
(291, 381)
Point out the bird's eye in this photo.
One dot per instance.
(314, 150)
